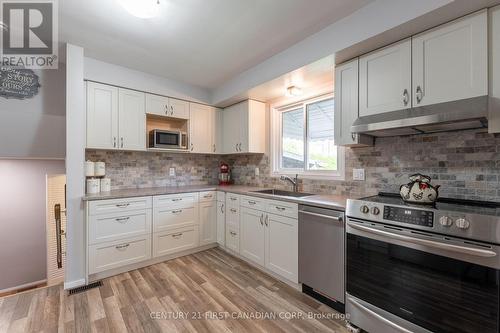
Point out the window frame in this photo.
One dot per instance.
(276, 135)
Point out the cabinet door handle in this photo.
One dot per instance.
(233, 210)
(251, 202)
(214, 148)
(177, 211)
(233, 198)
(172, 110)
(239, 147)
(419, 95)
(261, 219)
(122, 219)
(192, 147)
(236, 147)
(353, 136)
(114, 142)
(122, 143)
(122, 205)
(266, 220)
(166, 109)
(406, 97)
(177, 235)
(232, 233)
(222, 208)
(120, 247)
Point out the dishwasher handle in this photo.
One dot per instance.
(337, 219)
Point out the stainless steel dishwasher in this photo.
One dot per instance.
(321, 254)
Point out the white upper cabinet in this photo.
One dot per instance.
(157, 105)
(131, 120)
(494, 63)
(179, 108)
(102, 116)
(165, 106)
(116, 118)
(244, 126)
(385, 79)
(450, 62)
(202, 123)
(347, 105)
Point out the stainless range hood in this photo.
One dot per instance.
(457, 115)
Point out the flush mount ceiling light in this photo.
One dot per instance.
(293, 91)
(141, 8)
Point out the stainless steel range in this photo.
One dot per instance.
(414, 268)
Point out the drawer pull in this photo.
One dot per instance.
(177, 235)
(122, 219)
(207, 196)
(123, 205)
(233, 210)
(233, 198)
(177, 199)
(280, 208)
(120, 247)
(251, 202)
(232, 233)
(177, 211)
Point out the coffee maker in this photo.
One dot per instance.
(224, 174)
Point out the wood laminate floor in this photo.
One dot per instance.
(210, 291)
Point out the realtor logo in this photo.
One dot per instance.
(29, 33)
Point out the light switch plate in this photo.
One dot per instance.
(171, 172)
(358, 174)
(257, 171)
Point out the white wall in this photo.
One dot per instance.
(75, 158)
(369, 21)
(35, 127)
(104, 72)
(23, 253)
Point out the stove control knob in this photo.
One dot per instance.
(364, 209)
(375, 211)
(445, 221)
(462, 223)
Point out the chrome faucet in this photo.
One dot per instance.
(294, 181)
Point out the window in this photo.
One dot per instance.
(303, 140)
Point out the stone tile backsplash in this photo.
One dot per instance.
(465, 163)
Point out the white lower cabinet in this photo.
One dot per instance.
(221, 218)
(282, 246)
(208, 222)
(106, 256)
(173, 241)
(252, 235)
(233, 237)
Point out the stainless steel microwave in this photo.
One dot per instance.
(167, 139)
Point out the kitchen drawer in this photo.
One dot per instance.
(175, 240)
(207, 196)
(167, 218)
(111, 227)
(232, 199)
(176, 200)
(253, 203)
(233, 215)
(233, 238)
(118, 205)
(107, 256)
(221, 196)
(283, 208)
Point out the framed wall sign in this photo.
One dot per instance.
(18, 83)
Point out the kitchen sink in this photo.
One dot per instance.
(284, 193)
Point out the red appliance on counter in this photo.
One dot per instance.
(224, 174)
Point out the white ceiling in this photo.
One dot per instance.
(200, 42)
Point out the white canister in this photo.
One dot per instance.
(100, 169)
(93, 186)
(105, 185)
(89, 169)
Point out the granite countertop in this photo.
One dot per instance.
(320, 200)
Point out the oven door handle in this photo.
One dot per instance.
(443, 246)
(378, 317)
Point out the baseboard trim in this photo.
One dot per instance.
(74, 284)
(23, 286)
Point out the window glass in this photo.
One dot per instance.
(321, 148)
(292, 140)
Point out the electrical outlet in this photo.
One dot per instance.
(257, 171)
(358, 174)
(171, 172)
